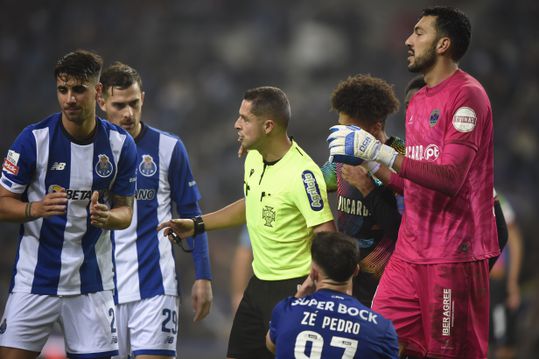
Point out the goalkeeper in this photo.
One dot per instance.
(435, 286)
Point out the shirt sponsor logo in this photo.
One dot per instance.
(103, 168)
(418, 152)
(72, 194)
(147, 167)
(434, 117)
(341, 308)
(58, 166)
(464, 119)
(144, 194)
(352, 206)
(365, 144)
(10, 167)
(312, 190)
(447, 312)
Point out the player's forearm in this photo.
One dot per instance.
(119, 218)
(14, 210)
(447, 177)
(396, 183)
(201, 257)
(230, 216)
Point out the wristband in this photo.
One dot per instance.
(199, 225)
(386, 155)
(28, 210)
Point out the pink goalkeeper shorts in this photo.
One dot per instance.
(439, 310)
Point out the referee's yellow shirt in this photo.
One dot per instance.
(283, 201)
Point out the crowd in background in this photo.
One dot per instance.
(198, 57)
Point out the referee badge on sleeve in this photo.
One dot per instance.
(312, 190)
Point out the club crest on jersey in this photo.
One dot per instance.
(147, 167)
(434, 117)
(103, 168)
(268, 214)
(312, 190)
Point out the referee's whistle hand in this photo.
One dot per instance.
(182, 227)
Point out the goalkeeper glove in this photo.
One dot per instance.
(348, 142)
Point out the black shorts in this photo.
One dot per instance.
(248, 334)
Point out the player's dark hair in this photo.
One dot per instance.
(82, 65)
(415, 84)
(336, 254)
(365, 97)
(454, 24)
(270, 102)
(119, 75)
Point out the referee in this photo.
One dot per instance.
(284, 204)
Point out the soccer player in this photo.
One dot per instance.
(366, 210)
(448, 232)
(331, 323)
(146, 287)
(413, 86)
(284, 204)
(68, 179)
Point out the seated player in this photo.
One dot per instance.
(330, 323)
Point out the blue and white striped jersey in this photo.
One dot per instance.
(66, 255)
(330, 324)
(144, 259)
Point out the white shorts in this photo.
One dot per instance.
(148, 326)
(87, 321)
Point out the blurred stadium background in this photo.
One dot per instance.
(196, 59)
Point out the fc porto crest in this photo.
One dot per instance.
(434, 117)
(103, 168)
(147, 167)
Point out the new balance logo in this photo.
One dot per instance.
(58, 166)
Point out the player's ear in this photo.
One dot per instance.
(101, 102)
(268, 126)
(357, 270)
(98, 90)
(443, 45)
(142, 98)
(314, 274)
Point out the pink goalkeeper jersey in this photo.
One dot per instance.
(437, 228)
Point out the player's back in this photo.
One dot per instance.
(330, 324)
